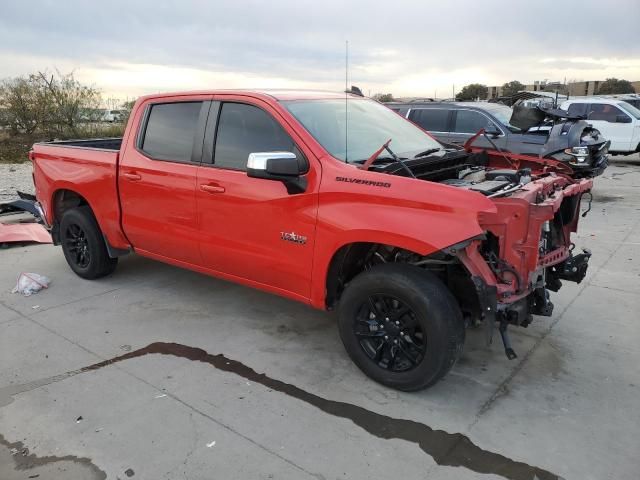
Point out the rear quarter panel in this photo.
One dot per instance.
(88, 172)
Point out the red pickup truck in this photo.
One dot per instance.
(329, 199)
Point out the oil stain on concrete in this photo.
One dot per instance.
(447, 449)
(16, 463)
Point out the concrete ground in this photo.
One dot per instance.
(568, 406)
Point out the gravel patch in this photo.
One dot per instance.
(15, 176)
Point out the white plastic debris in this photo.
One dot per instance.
(30, 283)
(211, 445)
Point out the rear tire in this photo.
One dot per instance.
(83, 244)
(401, 326)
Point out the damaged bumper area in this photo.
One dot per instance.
(14, 228)
(526, 252)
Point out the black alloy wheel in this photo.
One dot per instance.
(76, 243)
(401, 325)
(84, 245)
(390, 334)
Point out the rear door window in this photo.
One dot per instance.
(245, 129)
(604, 112)
(170, 131)
(578, 109)
(468, 121)
(431, 119)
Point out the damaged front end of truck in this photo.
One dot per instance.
(526, 253)
(503, 277)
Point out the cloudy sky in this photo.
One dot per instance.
(418, 47)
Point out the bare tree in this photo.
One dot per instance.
(25, 109)
(70, 102)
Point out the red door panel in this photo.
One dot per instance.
(158, 196)
(158, 206)
(251, 228)
(242, 223)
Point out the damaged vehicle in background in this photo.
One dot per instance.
(331, 200)
(538, 131)
(617, 119)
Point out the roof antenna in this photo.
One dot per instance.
(346, 102)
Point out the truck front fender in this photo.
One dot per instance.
(414, 229)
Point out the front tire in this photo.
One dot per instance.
(401, 326)
(83, 244)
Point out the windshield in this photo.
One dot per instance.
(630, 109)
(503, 114)
(370, 125)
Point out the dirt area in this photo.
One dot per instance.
(15, 176)
(14, 149)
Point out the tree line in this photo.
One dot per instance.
(50, 104)
(478, 91)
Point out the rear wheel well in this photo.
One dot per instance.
(63, 200)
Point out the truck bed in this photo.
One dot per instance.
(112, 144)
(86, 167)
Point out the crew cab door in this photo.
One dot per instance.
(614, 125)
(157, 178)
(605, 117)
(436, 121)
(252, 229)
(466, 123)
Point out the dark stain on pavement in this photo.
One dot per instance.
(447, 449)
(74, 467)
(450, 449)
(606, 198)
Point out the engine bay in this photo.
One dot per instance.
(460, 169)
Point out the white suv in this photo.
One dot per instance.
(618, 121)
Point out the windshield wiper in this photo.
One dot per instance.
(372, 158)
(385, 146)
(427, 152)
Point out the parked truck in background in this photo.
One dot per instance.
(333, 201)
(616, 119)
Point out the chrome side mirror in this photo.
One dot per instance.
(285, 167)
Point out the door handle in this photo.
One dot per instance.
(134, 177)
(212, 188)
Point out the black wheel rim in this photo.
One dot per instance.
(389, 333)
(77, 245)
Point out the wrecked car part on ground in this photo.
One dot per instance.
(23, 232)
(14, 228)
(410, 241)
